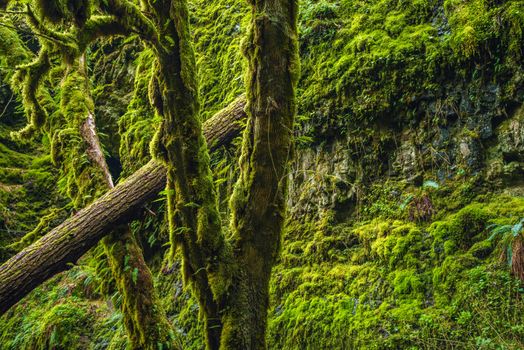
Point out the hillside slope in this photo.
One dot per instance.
(409, 158)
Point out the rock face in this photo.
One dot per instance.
(511, 137)
(506, 155)
(405, 93)
(322, 178)
(331, 176)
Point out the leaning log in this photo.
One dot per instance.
(65, 244)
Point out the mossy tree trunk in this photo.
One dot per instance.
(145, 322)
(230, 277)
(194, 219)
(259, 199)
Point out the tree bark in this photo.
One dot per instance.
(54, 252)
(258, 202)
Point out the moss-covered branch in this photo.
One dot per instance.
(131, 17)
(194, 218)
(70, 45)
(29, 76)
(12, 49)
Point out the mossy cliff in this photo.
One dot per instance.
(409, 154)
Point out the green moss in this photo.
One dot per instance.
(365, 62)
(138, 124)
(468, 226)
(82, 179)
(27, 190)
(143, 318)
(63, 327)
(482, 249)
(374, 280)
(218, 30)
(56, 316)
(12, 50)
(181, 306)
(45, 224)
(396, 289)
(407, 284)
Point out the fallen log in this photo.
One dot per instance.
(65, 244)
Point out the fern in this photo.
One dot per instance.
(510, 236)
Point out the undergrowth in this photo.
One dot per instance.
(392, 283)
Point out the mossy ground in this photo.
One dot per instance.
(391, 283)
(65, 313)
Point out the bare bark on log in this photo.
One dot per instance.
(94, 151)
(65, 244)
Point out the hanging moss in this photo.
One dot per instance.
(29, 76)
(84, 176)
(12, 50)
(218, 30)
(26, 176)
(138, 124)
(146, 325)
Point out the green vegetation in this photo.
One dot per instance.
(365, 60)
(389, 284)
(405, 198)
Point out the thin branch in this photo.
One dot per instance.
(14, 12)
(7, 105)
(26, 31)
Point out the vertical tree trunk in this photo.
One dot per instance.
(194, 219)
(230, 278)
(259, 199)
(145, 322)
